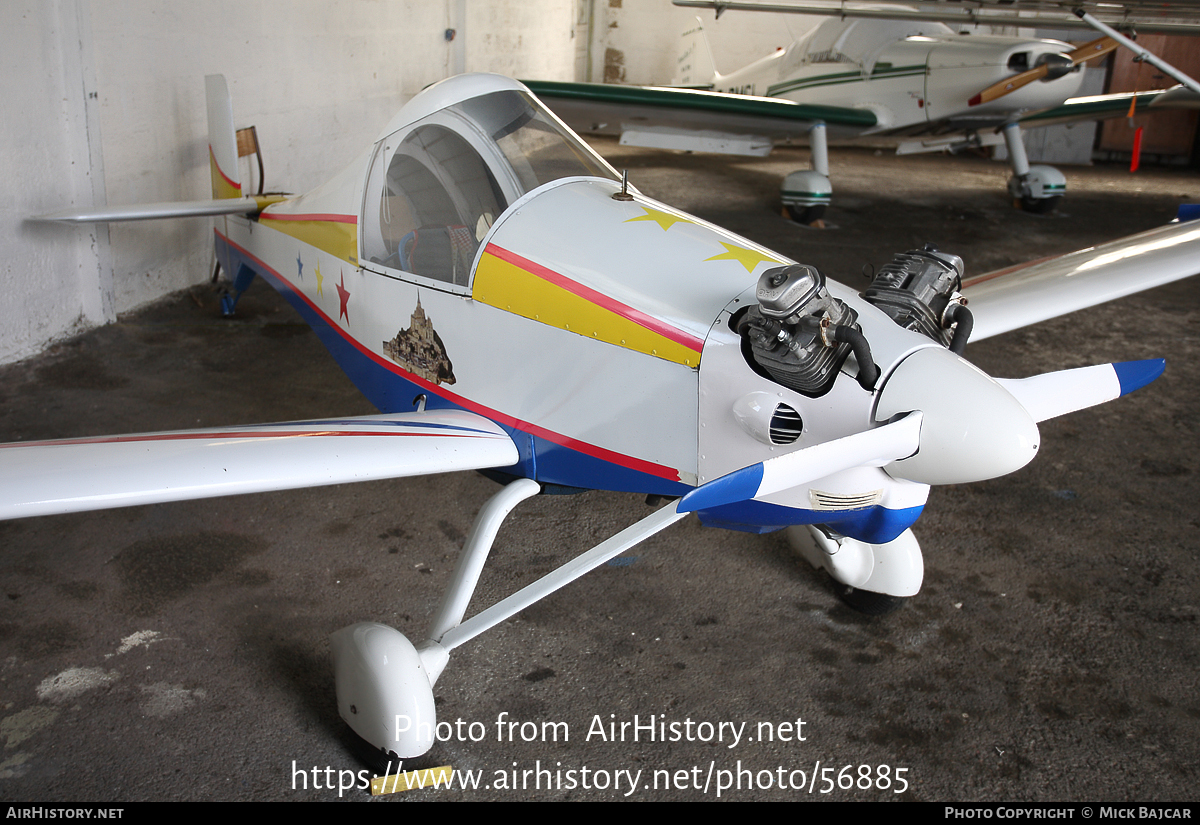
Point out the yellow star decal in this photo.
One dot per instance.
(320, 278)
(664, 219)
(746, 257)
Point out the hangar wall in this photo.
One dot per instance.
(635, 41)
(104, 102)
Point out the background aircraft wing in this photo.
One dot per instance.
(1028, 293)
(1101, 107)
(47, 477)
(609, 109)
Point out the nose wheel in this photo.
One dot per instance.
(874, 579)
(869, 603)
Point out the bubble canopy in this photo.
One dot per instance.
(438, 182)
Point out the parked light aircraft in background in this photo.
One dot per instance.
(508, 304)
(905, 77)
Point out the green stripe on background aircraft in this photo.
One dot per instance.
(509, 305)
(898, 76)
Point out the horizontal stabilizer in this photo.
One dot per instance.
(47, 477)
(152, 211)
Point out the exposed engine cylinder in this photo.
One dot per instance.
(799, 333)
(918, 289)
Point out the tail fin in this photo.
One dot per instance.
(694, 66)
(222, 142)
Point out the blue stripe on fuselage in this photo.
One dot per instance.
(392, 390)
(874, 525)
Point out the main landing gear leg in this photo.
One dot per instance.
(806, 193)
(872, 578)
(1037, 189)
(385, 683)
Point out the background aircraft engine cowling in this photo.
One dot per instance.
(973, 428)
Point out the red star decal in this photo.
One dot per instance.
(343, 298)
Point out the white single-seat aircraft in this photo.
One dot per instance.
(906, 77)
(510, 305)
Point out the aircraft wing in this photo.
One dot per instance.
(1101, 107)
(1028, 293)
(609, 109)
(49, 477)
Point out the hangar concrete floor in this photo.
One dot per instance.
(179, 652)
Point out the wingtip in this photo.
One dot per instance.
(1134, 375)
(975, 101)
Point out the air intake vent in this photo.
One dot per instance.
(785, 425)
(834, 501)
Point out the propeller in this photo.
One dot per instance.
(870, 448)
(947, 422)
(977, 427)
(1050, 66)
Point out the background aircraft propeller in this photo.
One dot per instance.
(1050, 66)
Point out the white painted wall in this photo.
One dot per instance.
(104, 99)
(636, 41)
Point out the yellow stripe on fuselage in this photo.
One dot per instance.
(222, 187)
(507, 286)
(338, 238)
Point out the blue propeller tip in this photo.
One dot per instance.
(1134, 375)
(739, 485)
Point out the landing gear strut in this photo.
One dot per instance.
(807, 192)
(1038, 188)
(385, 682)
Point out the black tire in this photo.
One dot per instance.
(806, 214)
(1040, 206)
(870, 603)
(379, 761)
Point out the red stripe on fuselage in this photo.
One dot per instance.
(288, 216)
(598, 298)
(638, 464)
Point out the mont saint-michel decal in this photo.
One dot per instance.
(420, 351)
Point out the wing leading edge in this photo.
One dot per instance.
(50, 477)
(1026, 294)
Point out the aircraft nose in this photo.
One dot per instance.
(973, 428)
(1057, 65)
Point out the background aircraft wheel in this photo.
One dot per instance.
(806, 214)
(870, 603)
(1040, 206)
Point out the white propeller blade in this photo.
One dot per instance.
(1058, 393)
(870, 448)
